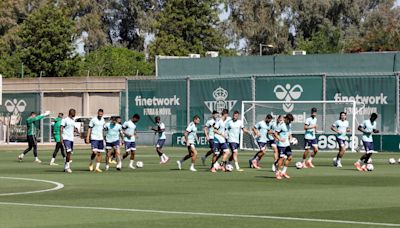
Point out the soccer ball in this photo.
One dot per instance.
(294, 141)
(392, 161)
(399, 160)
(334, 161)
(139, 164)
(299, 165)
(229, 168)
(370, 167)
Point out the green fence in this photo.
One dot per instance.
(266, 65)
(176, 101)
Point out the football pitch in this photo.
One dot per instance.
(39, 195)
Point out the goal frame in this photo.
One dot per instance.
(354, 113)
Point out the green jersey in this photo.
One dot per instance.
(30, 123)
(56, 128)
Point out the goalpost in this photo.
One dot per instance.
(328, 112)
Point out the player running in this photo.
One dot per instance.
(367, 128)
(209, 132)
(190, 138)
(221, 147)
(283, 136)
(130, 136)
(160, 131)
(113, 135)
(95, 137)
(234, 128)
(56, 134)
(31, 135)
(264, 133)
(341, 128)
(67, 137)
(310, 140)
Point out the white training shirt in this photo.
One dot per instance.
(129, 128)
(310, 133)
(69, 128)
(341, 126)
(210, 127)
(220, 125)
(97, 127)
(192, 131)
(234, 128)
(161, 135)
(369, 128)
(284, 130)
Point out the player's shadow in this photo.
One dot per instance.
(266, 177)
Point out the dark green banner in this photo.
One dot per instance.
(378, 93)
(209, 95)
(164, 98)
(16, 108)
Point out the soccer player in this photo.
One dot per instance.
(113, 135)
(190, 138)
(31, 135)
(56, 134)
(95, 137)
(310, 140)
(367, 128)
(283, 136)
(67, 137)
(209, 132)
(264, 131)
(234, 127)
(221, 147)
(341, 128)
(160, 131)
(129, 128)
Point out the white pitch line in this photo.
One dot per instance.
(57, 186)
(205, 214)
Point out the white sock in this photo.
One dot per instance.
(311, 159)
(22, 155)
(192, 166)
(66, 166)
(165, 156)
(162, 158)
(36, 158)
(52, 160)
(284, 169)
(237, 165)
(131, 162)
(97, 165)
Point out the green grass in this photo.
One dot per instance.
(321, 193)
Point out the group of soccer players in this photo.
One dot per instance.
(222, 133)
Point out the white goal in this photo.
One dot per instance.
(328, 112)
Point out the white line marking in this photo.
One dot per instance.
(58, 186)
(204, 214)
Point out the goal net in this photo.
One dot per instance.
(328, 112)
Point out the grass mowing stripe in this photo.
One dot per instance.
(205, 214)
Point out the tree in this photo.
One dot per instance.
(46, 42)
(326, 40)
(188, 26)
(380, 31)
(112, 61)
(260, 22)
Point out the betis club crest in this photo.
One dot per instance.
(220, 95)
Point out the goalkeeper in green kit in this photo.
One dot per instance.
(56, 134)
(31, 135)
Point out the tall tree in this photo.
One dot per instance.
(46, 42)
(188, 26)
(260, 22)
(113, 61)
